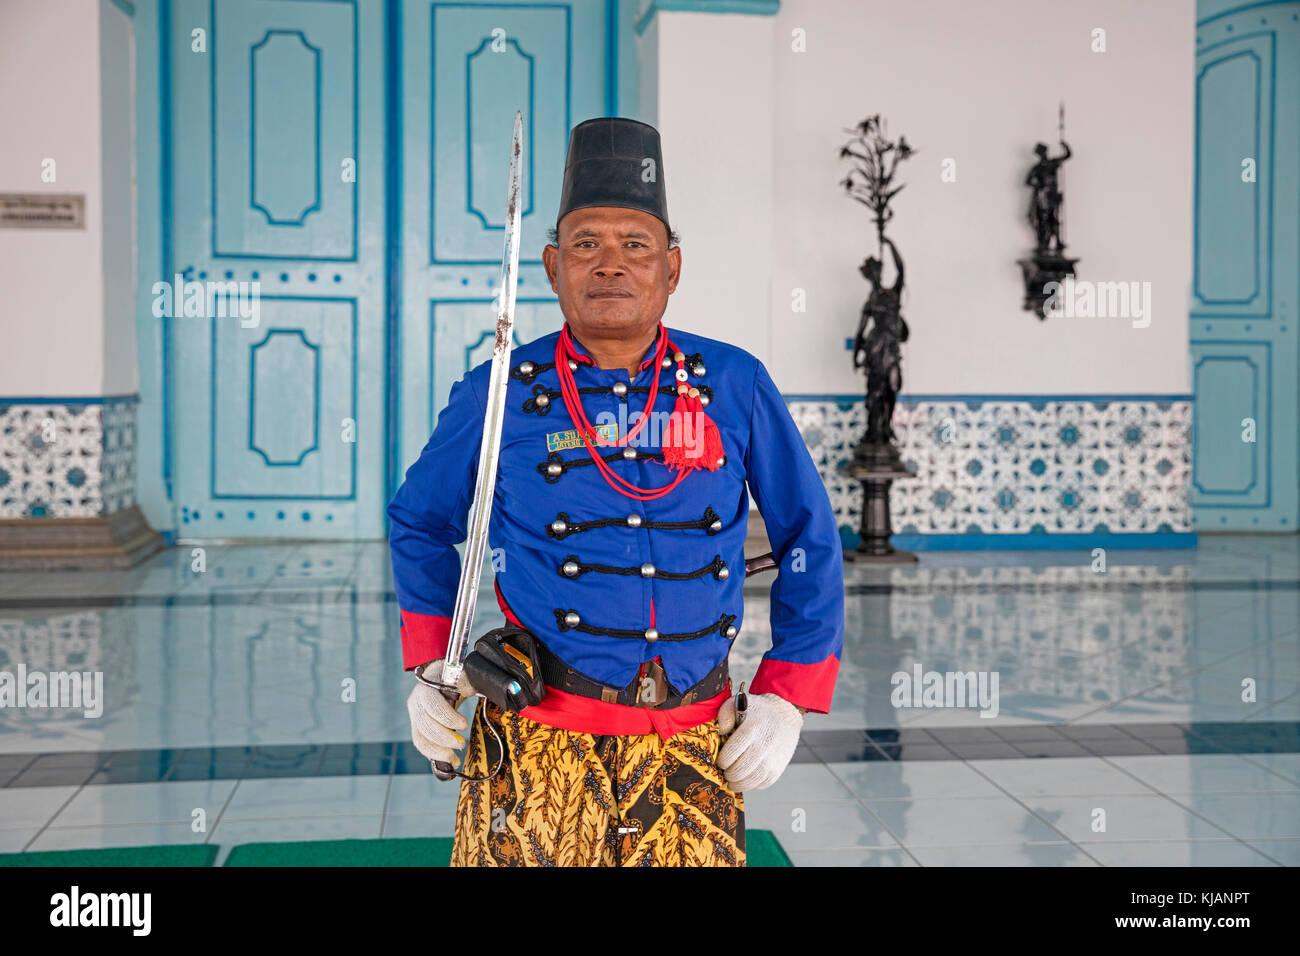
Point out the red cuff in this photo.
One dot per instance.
(809, 686)
(424, 638)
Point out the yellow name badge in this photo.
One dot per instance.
(559, 441)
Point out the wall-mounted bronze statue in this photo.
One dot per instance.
(1049, 263)
(1045, 205)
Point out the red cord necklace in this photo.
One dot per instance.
(708, 454)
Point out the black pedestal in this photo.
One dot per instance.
(877, 466)
(1042, 269)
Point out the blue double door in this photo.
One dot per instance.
(1245, 346)
(349, 158)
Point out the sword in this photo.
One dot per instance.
(481, 508)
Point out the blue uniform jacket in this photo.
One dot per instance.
(565, 535)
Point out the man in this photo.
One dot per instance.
(620, 511)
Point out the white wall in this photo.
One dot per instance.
(117, 98)
(58, 339)
(977, 82)
(716, 120)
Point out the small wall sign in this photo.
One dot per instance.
(43, 210)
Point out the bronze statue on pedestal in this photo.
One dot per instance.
(881, 330)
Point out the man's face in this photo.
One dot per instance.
(612, 270)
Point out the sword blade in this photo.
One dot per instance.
(485, 483)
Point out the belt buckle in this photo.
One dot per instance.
(651, 686)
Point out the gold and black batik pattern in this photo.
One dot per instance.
(569, 799)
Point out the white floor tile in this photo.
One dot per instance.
(1059, 776)
(816, 825)
(24, 807)
(127, 803)
(275, 799)
(1126, 818)
(855, 857)
(978, 821)
(906, 779)
(420, 825)
(1177, 853)
(96, 837)
(1202, 773)
(1029, 854)
(231, 833)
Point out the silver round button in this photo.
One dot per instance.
(716, 526)
(572, 619)
(554, 469)
(651, 634)
(699, 370)
(704, 399)
(724, 572)
(559, 527)
(570, 568)
(543, 400)
(619, 389)
(527, 367)
(573, 366)
(722, 461)
(731, 631)
(668, 362)
(634, 521)
(629, 454)
(647, 570)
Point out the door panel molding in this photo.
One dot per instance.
(1243, 340)
(279, 427)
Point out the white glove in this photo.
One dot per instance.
(757, 753)
(435, 722)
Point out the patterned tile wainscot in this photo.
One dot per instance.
(1023, 466)
(67, 484)
(67, 461)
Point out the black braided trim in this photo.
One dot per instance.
(531, 406)
(574, 527)
(714, 567)
(518, 374)
(565, 464)
(720, 626)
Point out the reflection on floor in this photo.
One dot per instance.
(1149, 714)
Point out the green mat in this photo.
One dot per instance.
(762, 846)
(411, 851)
(192, 854)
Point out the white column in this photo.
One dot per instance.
(706, 84)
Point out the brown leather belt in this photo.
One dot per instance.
(649, 689)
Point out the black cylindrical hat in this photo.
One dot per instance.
(614, 161)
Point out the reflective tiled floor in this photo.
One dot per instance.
(255, 693)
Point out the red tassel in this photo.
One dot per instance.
(707, 452)
(713, 452)
(675, 455)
